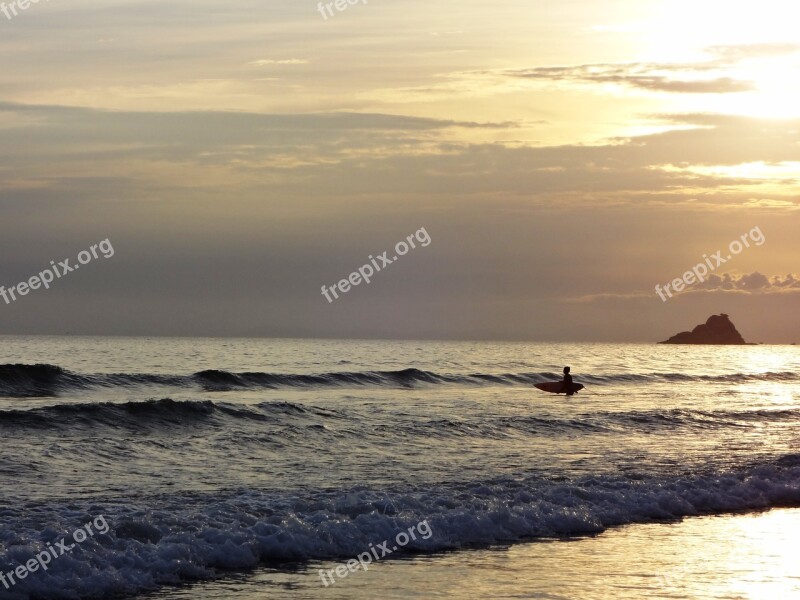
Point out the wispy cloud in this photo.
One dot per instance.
(653, 77)
(741, 283)
(702, 77)
(754, 282)
(264, 62)
(358, 153)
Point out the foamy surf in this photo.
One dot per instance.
(165, 540)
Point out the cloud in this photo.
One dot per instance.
(721, 85)
(742, 283)
(362, 154)
(342, 120)
(771, 203)
(703, 77)
(754, 282)
(269, 61)
(717, 288)
(639, 75)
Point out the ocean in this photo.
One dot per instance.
(259, 468)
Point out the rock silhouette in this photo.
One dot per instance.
(718, 329)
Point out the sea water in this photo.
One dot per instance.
(251, 468)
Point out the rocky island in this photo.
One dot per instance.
(718, 329)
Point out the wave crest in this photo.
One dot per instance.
(23, 381)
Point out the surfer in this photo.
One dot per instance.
(567, 381)
(562, 386)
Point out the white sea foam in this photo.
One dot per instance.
(194, 537)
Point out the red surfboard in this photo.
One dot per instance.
(557, 387)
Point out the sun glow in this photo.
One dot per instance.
(753, 43)
(777, 92)
(680, 29)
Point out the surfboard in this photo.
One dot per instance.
(557, 387)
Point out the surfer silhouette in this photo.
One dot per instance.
(567, 381)
(564, 386)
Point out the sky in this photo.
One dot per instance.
(563, 159)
